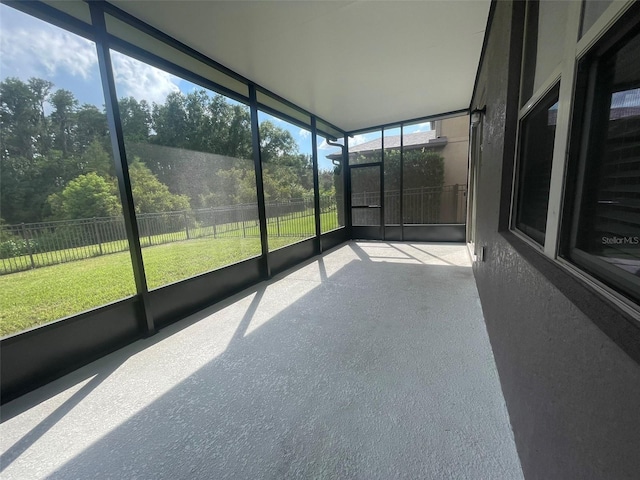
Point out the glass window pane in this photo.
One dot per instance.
(544, 41)
(331, 177)
(607, 240)
(435, 158)
(285, 151)
(63, 247)
(538, 130)
(591, 12)
(189, 152)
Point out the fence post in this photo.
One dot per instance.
(278, 219)
(213, 220)
(148, 230)
(244, 231)
(26, 242)
(186, 224)
(97, 232)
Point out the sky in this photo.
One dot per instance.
(30, 47)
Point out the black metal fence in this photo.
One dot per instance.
(425, 205)
(33, 245)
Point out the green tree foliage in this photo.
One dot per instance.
(195, 150)
(91, 126)
(150, 195)
(63, 120)
(422, 168)
(96, 159)
(136, 119)
(41, 154)
(86, 196)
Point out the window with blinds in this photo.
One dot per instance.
(605, 229)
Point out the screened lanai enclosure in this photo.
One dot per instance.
(142, 181)
(319, 239)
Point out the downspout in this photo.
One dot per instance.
(346, 184)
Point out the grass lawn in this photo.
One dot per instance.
(33, 297)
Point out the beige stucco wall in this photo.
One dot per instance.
(456, 151)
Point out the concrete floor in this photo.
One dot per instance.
(370, 362)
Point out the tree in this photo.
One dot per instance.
(86, 196)
(96, 159)
(136, 119)
(277, 145)
(63, 119)
(150, 195)
(91, 126)
(21, 122)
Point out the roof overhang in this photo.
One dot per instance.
(355, 64)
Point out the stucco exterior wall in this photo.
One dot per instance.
(457, 149)
(572, 393)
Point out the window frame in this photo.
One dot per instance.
(540, 97)
(597, 273)
(576, 46)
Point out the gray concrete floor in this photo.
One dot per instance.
(370, 362)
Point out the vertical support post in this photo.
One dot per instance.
(257, 163)
(120, 159)
(346, 178)
(186, 225)
(402, 182)
(97, 232)
(244, 227)
(382, 222)
(316, 183)
(27, 244)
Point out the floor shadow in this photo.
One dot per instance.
(323, 270)
(18, 448)
(432, 255)
(248, 316)
(357, 249)
(407, 254)
(339, 384)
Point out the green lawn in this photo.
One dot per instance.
(37, 296)
(296, 229)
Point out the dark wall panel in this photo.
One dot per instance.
(434, 233)
(366, 233)
(173, 302)
(33, 358)
(572, 393)
(393, 233)
(333, 239)
(291, 255)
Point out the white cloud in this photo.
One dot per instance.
(141, 81)
(304, 133)
(45, 51)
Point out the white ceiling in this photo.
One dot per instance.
(355, 64)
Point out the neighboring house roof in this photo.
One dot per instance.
(410, 141)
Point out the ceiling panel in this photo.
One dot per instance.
(354, 63)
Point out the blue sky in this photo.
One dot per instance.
(32, 48)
